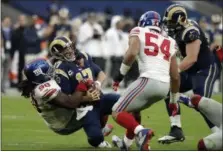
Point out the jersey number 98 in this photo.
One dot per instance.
(164, 47)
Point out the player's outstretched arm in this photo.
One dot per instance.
(129, 58)
(132, 51)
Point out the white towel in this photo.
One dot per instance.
(81, 112)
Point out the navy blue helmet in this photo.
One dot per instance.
(39, 71)
(174, 17)
(150, 18)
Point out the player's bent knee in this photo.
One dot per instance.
(95, 141)
(195, 99)
(201, 145)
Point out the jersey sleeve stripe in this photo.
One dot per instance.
(49, 93)
(59, 71)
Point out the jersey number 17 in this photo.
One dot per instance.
(164, 47)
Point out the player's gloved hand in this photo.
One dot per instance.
(85, 85)
(115, 86)
(118, 78)
(93, 94)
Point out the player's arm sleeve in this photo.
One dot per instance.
(47, 91)
(190, 34)
(134, 32)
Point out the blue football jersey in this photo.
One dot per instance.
(68, 74)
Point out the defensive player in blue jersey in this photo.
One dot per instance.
(198, 68)
(72, 67)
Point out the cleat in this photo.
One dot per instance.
(143, 138)
(175, 135)
(118, 142)
(107, 129)
(105, 144)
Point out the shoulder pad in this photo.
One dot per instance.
(190, 34)
(47, 91)
(135, 31)
(85, 55)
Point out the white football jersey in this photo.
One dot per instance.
(156, 50)
(54, 116)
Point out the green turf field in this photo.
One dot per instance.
(24, 129)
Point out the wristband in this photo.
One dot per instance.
(124, 69)
(98, 83)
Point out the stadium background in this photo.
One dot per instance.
(22, 128)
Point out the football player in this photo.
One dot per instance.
(72, 67)
(213, 111)
(198, 69)
(56, 108)
(155, 53)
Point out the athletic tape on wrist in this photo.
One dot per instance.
(124, 69)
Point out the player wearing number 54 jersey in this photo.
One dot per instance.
(155, 53)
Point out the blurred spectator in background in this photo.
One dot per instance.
(52, 11)
(6, 32)
(76, 24)
(129, 21)
(19, 44)
(205, 28)
(60, 26)
(216, 37)
(41, 26)
(90, 40)
(116, 44)
(108, 15)
(32, 40)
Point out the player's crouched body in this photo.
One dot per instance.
(213, 111)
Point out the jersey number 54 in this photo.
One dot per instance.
(164, 47)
